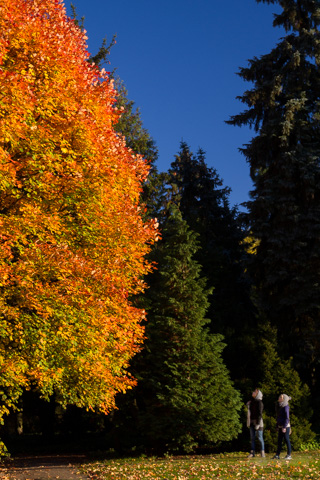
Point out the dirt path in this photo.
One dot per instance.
(44, 467)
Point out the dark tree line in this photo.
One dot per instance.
(283, 109)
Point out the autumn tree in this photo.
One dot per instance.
(130, 126)
(283, 108)
(73, 241)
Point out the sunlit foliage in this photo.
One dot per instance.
(72, 238)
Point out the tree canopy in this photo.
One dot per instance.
(73, 240)
(283, 109)
(185, 391)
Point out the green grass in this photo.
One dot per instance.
(236, 466)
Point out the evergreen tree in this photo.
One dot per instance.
(284, 211)
(204, 202)
(138, 138)
(131, 126)
(279, 376)
(187, 396)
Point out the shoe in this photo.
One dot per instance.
(251, 455)
(275, 457)
(263, 454)
(288, 457)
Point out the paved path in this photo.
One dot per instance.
(44, 467)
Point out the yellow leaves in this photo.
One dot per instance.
(73, 244)
(251, 244)
(4, 277)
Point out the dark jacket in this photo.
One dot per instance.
(283, 419)
(256, 409)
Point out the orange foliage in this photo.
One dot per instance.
(72, 238)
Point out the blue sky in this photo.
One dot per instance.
(178, 60)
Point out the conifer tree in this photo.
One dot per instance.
(284, 211)
(139, 140)
(279, 376)
(204, 202)
(187, 395)
(131, 126)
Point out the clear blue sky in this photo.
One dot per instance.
(178, 59)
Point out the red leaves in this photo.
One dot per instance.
(73, 241)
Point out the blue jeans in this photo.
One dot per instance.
(253, 434)
(286, 438)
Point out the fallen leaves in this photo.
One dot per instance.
(223, 467)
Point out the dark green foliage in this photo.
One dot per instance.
(139, 140)
(284, 213)
(102, 57)
(204, 203)
(74, 16)
(187, 396)
(279, 376)
(130, 125)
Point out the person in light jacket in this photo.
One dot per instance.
(255, 422)
(283, 425)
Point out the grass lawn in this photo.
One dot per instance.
(235, 466)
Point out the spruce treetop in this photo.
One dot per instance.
(283, 109)
(297, 15)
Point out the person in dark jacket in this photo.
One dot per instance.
(283, 425)
(255, 421)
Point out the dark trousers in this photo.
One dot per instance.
(286, 438)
